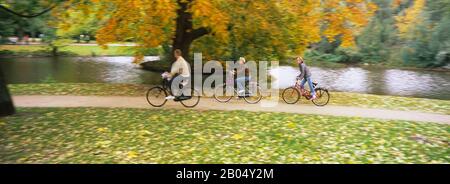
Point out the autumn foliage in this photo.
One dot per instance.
(255, 27)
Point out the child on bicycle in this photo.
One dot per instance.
(241, 73)
(305, 76)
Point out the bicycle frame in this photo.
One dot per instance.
(303, 92)
(165, 88)
(232, 82)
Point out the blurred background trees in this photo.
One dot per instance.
(16, 19)
(401, 33)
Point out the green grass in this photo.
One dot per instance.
(71, 50)
(97, 135)
(390, 102)
(337, 98)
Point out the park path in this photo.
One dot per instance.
(211, 104)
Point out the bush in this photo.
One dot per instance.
(6, 52)
(442, 59)
(349, 55)
(341, 55)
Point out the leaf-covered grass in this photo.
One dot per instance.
(97, 135)
(71, 50)
(390, 102)
(337, 98)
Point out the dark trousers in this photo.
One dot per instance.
(174, 89)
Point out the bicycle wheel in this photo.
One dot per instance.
(192, 100)
(290, 95)
(156, 96)
(322, 97)
(223, 93)
(253, 97)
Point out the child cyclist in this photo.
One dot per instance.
(305, 76)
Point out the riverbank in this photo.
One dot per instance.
(337, 98)
(366, 66)
(69, 50)
(100, 135)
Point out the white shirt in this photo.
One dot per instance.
(181, 67)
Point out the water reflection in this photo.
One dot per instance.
(410, 83)
(77, 69)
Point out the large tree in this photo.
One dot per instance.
(23, 11)
(229, 26)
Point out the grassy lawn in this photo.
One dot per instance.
(98, 135)
(71, 50)
(337, 98)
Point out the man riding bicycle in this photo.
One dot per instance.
(180, 73)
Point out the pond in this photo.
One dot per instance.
(414, 83)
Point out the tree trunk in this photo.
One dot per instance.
(184, 34)
(6, 104)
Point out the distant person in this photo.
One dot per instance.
(305, 76)
(180, 71)
(41, 37)
(26, 39)
(81, 38)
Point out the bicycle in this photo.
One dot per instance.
(292, 94)
(156, 96)
(251, 97)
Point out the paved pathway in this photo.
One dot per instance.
(211, 104)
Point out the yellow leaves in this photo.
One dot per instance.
(410, 17)
(266, 26)
(291, 125)
(209, 15)
(380, 141)
(144, 133)
(237, 136)
(103, 144)
(144, 21)
(132, 154)
(102, 130)
(346, 18)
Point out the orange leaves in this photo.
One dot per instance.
(107, 32)
(346, 18)
(208, 14)
(303, 22)
(147, 22)
(253, 27)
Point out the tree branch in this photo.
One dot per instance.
(26, 16)
(197, 33)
